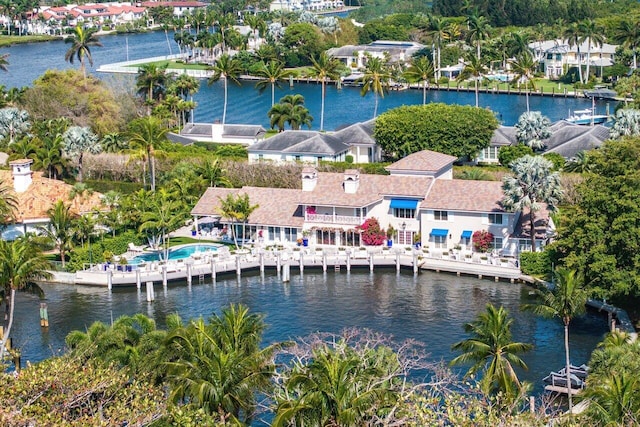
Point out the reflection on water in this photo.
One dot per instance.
(429, 307)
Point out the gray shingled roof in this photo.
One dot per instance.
(504, 135)
(242, 130)
(197, 129)
(302, 142)
(570, 139)
(358, 133)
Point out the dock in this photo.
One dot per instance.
(618, 318)
(562, 390)
(223, 262)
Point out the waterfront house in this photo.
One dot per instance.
(180, 8)
(356, 57)
(419, 199)
(312, 147)
(218, 133)
(36, 194)
(557, 56)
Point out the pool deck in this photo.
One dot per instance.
(212, 264)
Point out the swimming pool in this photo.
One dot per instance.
(174, 253)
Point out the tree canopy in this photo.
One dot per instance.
(451, 129)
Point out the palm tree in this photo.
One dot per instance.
(421, 70)
(225, 68)
(60, 228)
(21, 264)
(613, 400)
(151, 82)
(162, 217)
(8, 204)
(479, 29)
(627, 33)
(3, 62)
(532, 129)
(578, 164)
(82, 40)
(476, 69)
(573, 35)
(219, 366)
(593, 34)
(244, 209)
(375, 79)
(149, 134)
(566, 300)
(323, 68)
(491, 350)
(213, 173)
(524, 66)
(532, 184)
(80, 140)
(13, 124)
(278, 116)
(272, 73)
(438, 31)
(626, 124)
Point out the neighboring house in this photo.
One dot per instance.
(227, 134)
(313, 146)
(556, 56)
(36, 195)
(356, 57)
(419, 199)
(180, 8)
(300, 5)
(567, 139)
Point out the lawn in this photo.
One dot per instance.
(174, 65)
(11, 40)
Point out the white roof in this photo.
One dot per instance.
(584, 46)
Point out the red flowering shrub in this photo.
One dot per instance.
(371, 233)
(482, 240)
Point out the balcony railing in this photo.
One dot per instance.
(333, 219)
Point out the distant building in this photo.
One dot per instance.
(557, 56)
(226, 134)
(356, 57)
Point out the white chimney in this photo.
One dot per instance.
(351, 181)
(21, 172)
(309, 178)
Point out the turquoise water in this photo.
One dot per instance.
(174, 254)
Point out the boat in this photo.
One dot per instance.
(587, 117)
(600, 93)
(558, 379)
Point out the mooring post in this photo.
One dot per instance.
(213, 269)
(286, 271)
(261, 261)
(138, 279)
(415, 262)
(324, 261)
(278, 262)
(301, 262)
(44, 316)
(164, 275)
(189, 278)
(348, 255)
(398, 261)
(109, 279)
(150, 293)
(238, 268)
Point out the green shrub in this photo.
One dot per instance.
(348, 159)
(507, 154)
(537, 264)
(557, 160)
(116, 245)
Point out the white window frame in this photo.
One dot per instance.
(440, 215)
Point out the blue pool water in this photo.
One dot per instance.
(174, 254)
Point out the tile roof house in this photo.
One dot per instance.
(419, 199)
(313, 146)
(36, 194)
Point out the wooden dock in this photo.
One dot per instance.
(562, 390)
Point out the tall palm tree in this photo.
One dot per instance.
(60, 228)
(420, 70)
(566, 300)
(593, 34)
(524, 66)
(272, 73)
(438, 31)
(479, 30)
(82, 40)
(213, 173)
(21, 264)
(152, 81)
(613, 401)
(491, 350)
(573, 35)
(4, 62)
(219, 365)
(244, 209)
(229, 210)
(323, 68)
(532, 184)
(226, 68)
(375, 79)
(148, 133)
(627, 33)
(80, 140)
(162, 217)
(278, 116)
(14, 123)
(475, 68)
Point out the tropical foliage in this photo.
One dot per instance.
(371, 232)
(532, 129)
(290, 110)
(460, 131)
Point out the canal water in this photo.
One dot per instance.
(247, 106)
(429, 307)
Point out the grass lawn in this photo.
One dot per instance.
(10, 40)
(174, 65)
(175, 241)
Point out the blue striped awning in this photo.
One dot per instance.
(404, 204)
(466, 234)
(439, 232)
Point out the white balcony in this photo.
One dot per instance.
(333, 219)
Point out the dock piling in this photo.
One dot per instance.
(286, 272)
(164, 275)
(109, 279)
(301, 262)
(371, 262)
(415, 263)
(150, 293)
(261, 261)
(324, 261)
(189, 278)
(138, 279)
(398, 261)
(348, 254)
(44, 316)
(238, 268)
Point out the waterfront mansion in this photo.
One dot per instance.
(419, 199)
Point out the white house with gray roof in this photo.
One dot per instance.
(419, 199)
(356, 57)
(216, 132)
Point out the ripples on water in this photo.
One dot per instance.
(430, 308)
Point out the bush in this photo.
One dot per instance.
(507, 154)
(372, 234)
(557, 160)
(538, 264)
(116, 245)
(482, 240)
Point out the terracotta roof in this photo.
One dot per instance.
(371, 188)
(424, 160)
(43, 193)
(185, 3)
(465, 195)
(277, 206)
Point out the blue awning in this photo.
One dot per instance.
(439, 232)
(466, 234)
(404, 204)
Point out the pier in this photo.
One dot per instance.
(223, 262)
